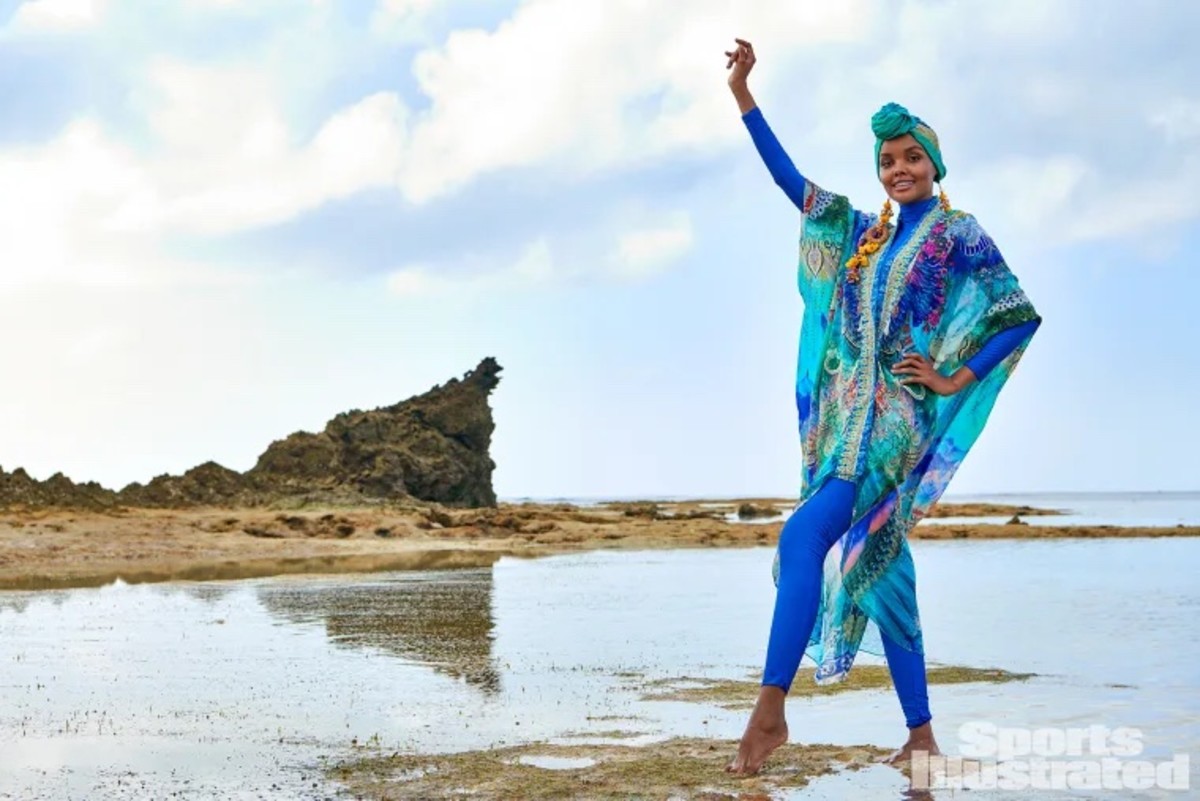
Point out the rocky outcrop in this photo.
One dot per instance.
(210, 484)
(432, 447)
(750, 511)
(18, 488)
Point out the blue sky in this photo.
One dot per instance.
(229, 220)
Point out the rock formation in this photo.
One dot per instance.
(432, 447)
(18, 488)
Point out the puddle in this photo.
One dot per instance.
(556, 763)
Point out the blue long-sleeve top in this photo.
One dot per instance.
(792, 182)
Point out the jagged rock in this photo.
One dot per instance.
(18, 488)
(209, 484)
(646, 509)
(432, 447)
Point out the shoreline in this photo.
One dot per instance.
(59, 549)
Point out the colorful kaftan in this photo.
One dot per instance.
(948, 292)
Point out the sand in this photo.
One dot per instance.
(55, 549)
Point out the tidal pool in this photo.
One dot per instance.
(250, 689)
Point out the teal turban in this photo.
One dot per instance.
(893, 120)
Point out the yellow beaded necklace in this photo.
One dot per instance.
(874, 237)
(870, 243)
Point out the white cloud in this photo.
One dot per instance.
(638, 252)
(226, 158)
(587, 86)
(1179, 121)
(87, 209)
(54, 194)
(566, 91)
(413, 280)
(647, 251)
(1066, 199)
(402, 20)
(1144, 205)
(57, 15)
(533, 266)
(1048, 189)
(98, 342)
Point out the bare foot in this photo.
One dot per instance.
(919, 739)
(766, 731)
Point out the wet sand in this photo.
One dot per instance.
(677, 768)
(606, 768)
(58, 549)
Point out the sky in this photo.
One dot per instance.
(228, 220)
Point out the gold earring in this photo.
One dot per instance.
(945, 201)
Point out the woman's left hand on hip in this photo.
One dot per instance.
(918, 369)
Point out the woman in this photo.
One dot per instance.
(909, 332)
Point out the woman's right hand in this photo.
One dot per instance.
(741, 61)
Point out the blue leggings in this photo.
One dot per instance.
(805, 540)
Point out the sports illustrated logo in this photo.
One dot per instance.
(1014, 758)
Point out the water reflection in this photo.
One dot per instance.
(442, 619)
(206, 592)
(14, 602)
(18, 601)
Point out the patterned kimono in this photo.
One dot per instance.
(948, 292)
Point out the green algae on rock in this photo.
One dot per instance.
(738, 694)
(693, 768)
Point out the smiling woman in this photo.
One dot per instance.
(909, 332)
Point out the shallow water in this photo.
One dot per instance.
(238, 689)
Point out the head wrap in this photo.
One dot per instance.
(893, 120)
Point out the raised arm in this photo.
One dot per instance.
(786, 176)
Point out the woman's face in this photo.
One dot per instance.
(905, 170)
